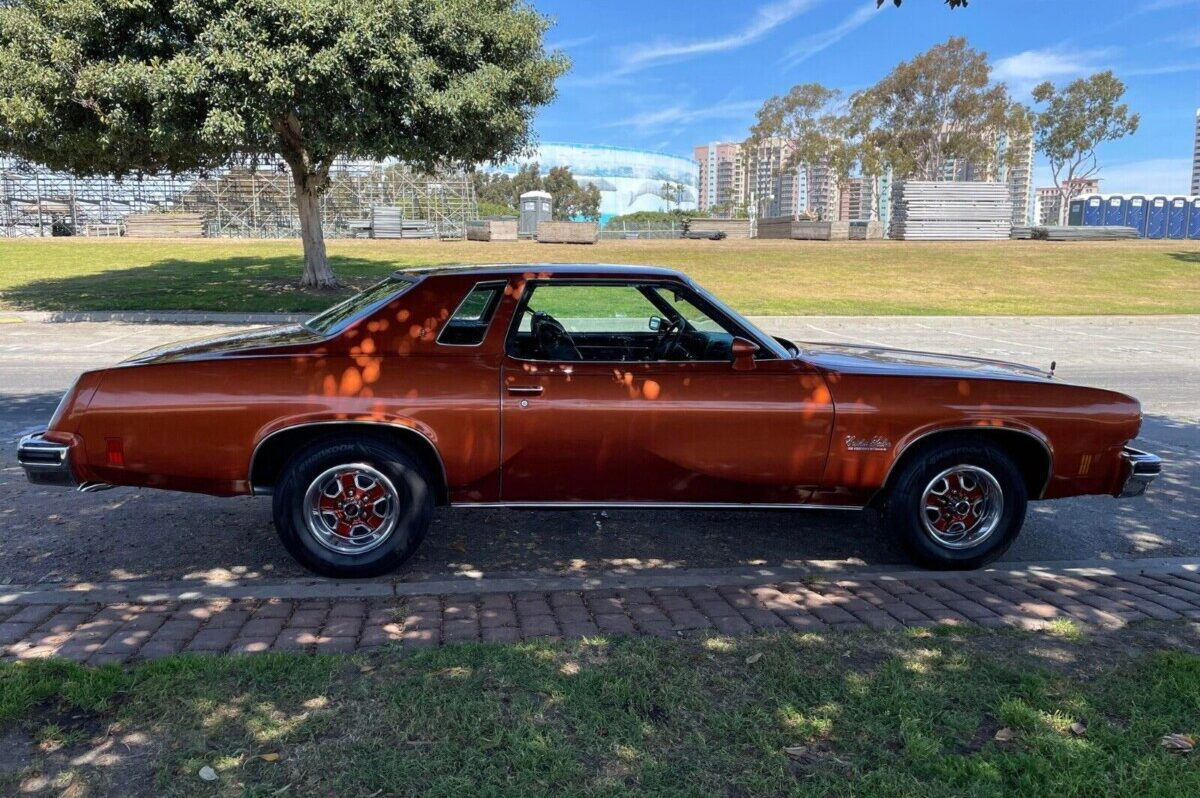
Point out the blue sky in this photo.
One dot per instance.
(666, 75)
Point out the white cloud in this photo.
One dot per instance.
(567, 44)
(1187, 38)
(1165, 176)
(1160, 5)
(764, 20)
(1165, 69)
(679, 114)
(811, 45)
(1026, 69)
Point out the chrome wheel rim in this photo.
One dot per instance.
(351, 509)
(961, 507)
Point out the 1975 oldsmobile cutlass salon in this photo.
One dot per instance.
(578, 386)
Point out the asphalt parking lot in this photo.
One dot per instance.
(52, 535)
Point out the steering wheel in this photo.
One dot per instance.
(670, 341)
(553, 340)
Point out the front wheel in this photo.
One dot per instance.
(957, 506)
(352, 507)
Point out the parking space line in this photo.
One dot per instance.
(847, 337)
(984, 338)
(1105, 337)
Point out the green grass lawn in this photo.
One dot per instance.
(861, 714)
(756, 277)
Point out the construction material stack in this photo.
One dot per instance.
(926, 210)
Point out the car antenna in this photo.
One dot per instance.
(1053, 365)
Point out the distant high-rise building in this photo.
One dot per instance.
(1196, 157)
(1018, 174)
(1048, 205)
(722, 175)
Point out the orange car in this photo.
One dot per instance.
(582, 386)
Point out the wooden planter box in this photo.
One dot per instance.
(866, 232)
(164, 225)
(567, 232)
(492, 230)
(732, 228)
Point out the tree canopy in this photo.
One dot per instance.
(145, 86)
(1075, 120)
(571, 199)
(941, 105)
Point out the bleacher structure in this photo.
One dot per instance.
(251, 201)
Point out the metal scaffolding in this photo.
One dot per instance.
(239, 202)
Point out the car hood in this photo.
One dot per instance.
(852, 359)
(241, 343)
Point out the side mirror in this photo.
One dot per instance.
(743, 354)
(656, 323)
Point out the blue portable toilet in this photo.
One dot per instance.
(1194, 219)
(1135, 214)
(1177, 213)
(1156, 218)
(1093, 211)
(1075, 212)
(1114, 210)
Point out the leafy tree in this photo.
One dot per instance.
(145, 86)
(951, 3)
(487, 208)
(571, 200)
(815, 122)
(939, 106)
(1073, 122)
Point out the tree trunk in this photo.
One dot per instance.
(317, 273)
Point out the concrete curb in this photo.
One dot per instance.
(812, 571)
(152, 317)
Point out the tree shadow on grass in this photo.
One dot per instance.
(236, 284)
(1186, 257)
(907, 713)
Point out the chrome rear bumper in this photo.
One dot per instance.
(1140, 470)
(45, 462)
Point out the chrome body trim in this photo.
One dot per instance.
(1141, 469)
(900, 453)
(45, 462)
(587, 505)
(266, 490)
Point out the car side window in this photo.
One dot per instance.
(615, 322)
(469, 323)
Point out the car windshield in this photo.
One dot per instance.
(341, 315)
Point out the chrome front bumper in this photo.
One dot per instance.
(45, 462)
(1140, 470)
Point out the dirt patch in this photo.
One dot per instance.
(74, 753)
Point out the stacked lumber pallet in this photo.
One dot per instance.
(928, 210)
(390, 223)
(567, 232)
(492, 230)
(1074, 233)
(164, 225)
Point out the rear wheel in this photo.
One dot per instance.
(957, 506)
(352, 507)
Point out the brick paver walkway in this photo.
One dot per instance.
(123, 632)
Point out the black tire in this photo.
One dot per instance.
(404, 480)
(903, 511)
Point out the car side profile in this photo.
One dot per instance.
(549, 385)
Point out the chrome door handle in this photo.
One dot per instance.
(529, 390)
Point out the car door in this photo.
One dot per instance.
(620, 424)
